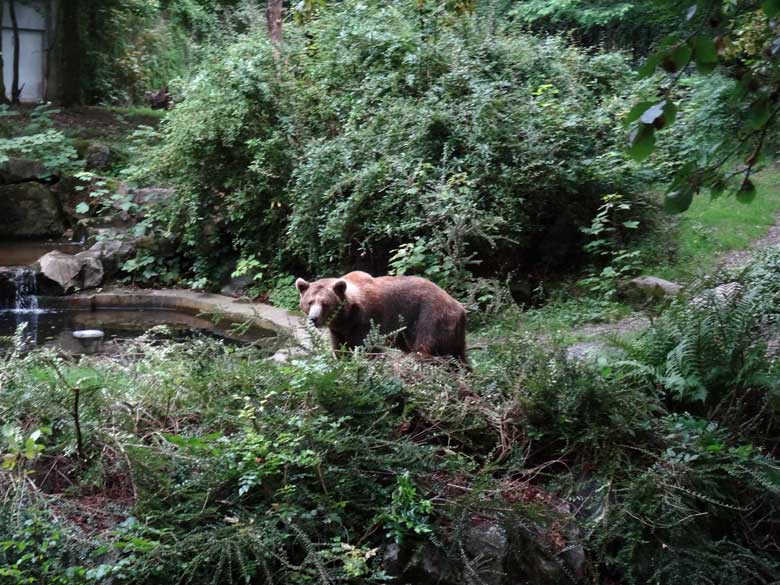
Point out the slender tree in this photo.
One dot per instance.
(3, 98)
(71, 53)
(16, 91)
(273, 18)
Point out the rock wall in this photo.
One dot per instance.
(30, 211)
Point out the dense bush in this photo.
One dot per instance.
(132, 46)
(630, 25)
(378, 134)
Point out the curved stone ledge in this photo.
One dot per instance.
(185, 301)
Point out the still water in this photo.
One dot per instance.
(55, 327)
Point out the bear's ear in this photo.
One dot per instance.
(340, 288)
(301, 285)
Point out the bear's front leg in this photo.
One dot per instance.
(342, 345)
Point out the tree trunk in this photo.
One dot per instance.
(3, 98)
(16, 91)
(273, 19)
(71, 53)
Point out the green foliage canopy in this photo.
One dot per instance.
(377, 129)
(740, 41)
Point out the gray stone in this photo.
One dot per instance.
(97, 157)
(17, 170)
(575, 560)
(89, 341)
(236, 286)
(58, 273)
(91, 269)
(7, 287)
(392, 561)
(487, 547)
(113, 253)
(644, 288)
(152, 195)
(434, 565)
(30, 211)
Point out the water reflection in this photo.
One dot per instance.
(54, 328)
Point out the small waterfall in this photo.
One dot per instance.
(18, 300)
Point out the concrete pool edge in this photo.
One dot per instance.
(278, 320)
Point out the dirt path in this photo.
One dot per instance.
(594, 338)
(738, 258)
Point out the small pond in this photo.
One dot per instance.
(54, 327)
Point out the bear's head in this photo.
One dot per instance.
(322, 299)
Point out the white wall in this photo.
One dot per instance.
(31, 64)
(31, 18)
(30, 15)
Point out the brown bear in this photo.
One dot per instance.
(430, 321)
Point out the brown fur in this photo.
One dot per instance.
(432, 322)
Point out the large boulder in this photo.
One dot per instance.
(7, 287)
(59, 274)
(97, 157)
(493, 551)
(650, 288)
(91, 269)
(18, 170)
(236, 286)
(487, 544)
(112, 254)
(30, 211)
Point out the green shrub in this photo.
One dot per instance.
(216, 465)
(485, 147)
(37, 140)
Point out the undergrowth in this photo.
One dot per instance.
(200, 463)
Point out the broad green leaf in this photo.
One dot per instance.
(691, 12)
(9, 461)
(717, 188)
(670, 113)
(747, 192)
(30, 448)
(660, 115)
(744, 85)
(680, 56)
(82, 208)
(760, 111)
(677, 58)
(641, 142)
(704, 54)
(649, 66)
(635, 112)
(678, 201)
(771, 7)
(653, 113)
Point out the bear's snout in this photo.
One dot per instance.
(315, 315)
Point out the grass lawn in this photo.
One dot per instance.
(711, 227)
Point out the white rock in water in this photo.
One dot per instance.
(89, 334)
(89, 340)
